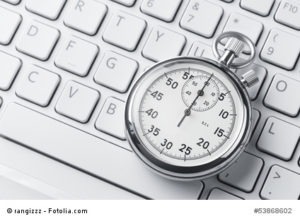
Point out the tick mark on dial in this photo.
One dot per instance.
(146, 133)
(162, 151)
(208, 152)
(226, 136)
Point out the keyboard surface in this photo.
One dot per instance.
(67, 66)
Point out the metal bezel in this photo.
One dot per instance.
(198, 172)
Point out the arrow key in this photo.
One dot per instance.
(281, 184)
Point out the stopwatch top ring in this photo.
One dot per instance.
(235, 44)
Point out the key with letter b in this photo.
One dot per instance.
(112, 114)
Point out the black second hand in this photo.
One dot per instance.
(187, 112)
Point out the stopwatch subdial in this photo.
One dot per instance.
(209, 96)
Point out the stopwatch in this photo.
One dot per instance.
(190, 118)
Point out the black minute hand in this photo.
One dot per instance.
(187, 112)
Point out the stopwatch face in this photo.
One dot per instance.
(188, 118)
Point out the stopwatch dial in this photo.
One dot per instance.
(208, 97)
(179, 134)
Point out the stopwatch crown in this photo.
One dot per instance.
(235, 46)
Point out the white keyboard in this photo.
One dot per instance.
(67, 66)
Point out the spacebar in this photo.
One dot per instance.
(89, 153)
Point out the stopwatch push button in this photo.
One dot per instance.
(244, 173)
(260, 73)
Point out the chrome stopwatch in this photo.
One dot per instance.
(189, 118)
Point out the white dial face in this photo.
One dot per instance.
(188, 115)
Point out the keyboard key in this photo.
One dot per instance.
(77, 56)
(37, 85)
(112, 114)
(161, 9)
(125, 2)
(218, 194)
(124, 31)
(198, 49)
(42, 174)
(77, 102)
(46, 8)
(261, 74)
(281, 184)
(288, 13)
(162, 44)
(279, 138)
(91, 154)
(244, 25)
(10, 66)
(85, 16)
(277, 46)
(279, 95)
(201, 17)
(9, 23)
(116, 71)
(244, 173)
(38, 40)
(259, 7)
